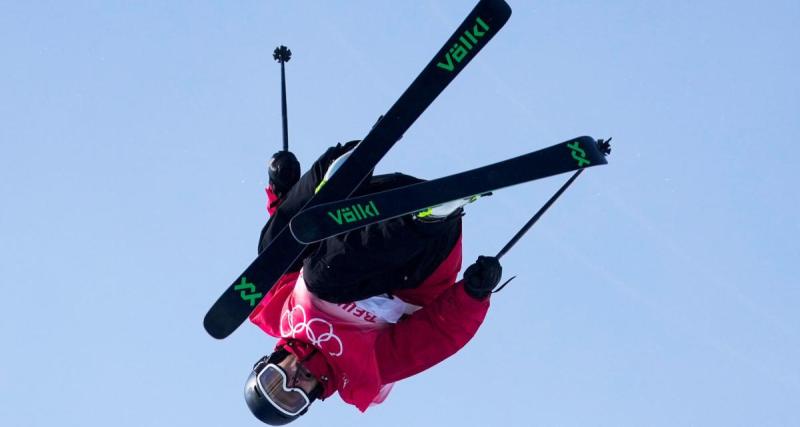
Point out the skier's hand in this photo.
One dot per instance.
(482, 277)
(284, 172)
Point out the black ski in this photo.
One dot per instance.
(330, 219)
(237, 302)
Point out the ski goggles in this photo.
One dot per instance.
(273, 383)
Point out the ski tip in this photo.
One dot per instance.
(501, 9)
(214, 328)
(594, 151)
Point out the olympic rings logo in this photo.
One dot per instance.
(288, 319)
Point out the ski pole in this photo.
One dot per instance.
(604, 147)
(282, 54)
(537, 215)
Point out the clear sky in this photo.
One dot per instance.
(661, 290)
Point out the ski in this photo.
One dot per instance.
(237, 302)
(327, 220)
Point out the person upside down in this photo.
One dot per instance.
(365, 309)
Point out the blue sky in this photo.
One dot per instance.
(660, 290)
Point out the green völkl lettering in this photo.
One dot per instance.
(354, 213)
(468, 40)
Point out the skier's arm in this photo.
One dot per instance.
(300, 193)
(430, 335)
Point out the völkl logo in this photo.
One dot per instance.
(578, 154)
(354, 213)
(468, 40)
(248, 292)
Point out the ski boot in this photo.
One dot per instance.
(337, 163)
(447, 210)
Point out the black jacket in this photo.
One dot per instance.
(373, 260)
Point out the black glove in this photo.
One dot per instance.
(482, 277)
(284, 172)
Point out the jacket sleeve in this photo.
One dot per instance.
(430, 335)
(273, 201)
(299, 195)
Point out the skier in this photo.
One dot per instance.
(364, 309)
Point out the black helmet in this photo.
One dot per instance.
(262, 406)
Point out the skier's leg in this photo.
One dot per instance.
(380, 258)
